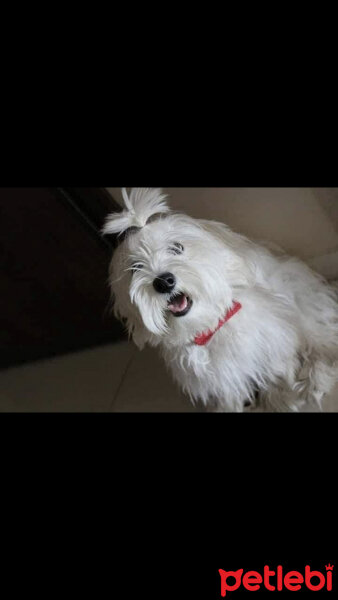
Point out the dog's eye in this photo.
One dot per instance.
(176, 248)
(136, 267)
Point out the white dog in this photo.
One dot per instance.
(236, 322)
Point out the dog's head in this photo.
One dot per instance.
(171, 276)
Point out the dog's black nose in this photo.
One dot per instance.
(164, 283)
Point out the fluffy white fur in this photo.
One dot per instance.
(284, 340)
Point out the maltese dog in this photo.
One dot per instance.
(240, 325)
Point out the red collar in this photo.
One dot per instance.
(204, 338)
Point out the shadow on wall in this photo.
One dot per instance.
(304, 221)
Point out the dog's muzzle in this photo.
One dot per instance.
(164, 283)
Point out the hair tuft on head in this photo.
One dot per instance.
(140, 206)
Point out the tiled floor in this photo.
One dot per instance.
(85, 381)
(116, 378)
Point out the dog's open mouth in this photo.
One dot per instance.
(179, 304)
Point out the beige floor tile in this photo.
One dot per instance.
(82, 382)
(148, 387)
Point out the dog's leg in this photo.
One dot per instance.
(280, 399)
(316, 380)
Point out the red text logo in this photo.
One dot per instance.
(276, 580)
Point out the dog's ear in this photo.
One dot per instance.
(137, 332)
(139, 207)
(219, 230)
(224, 234)
(140, 335)
(234, 243)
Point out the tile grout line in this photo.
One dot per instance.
(124, 375)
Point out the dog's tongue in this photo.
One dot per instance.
(178, 304)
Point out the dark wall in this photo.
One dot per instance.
(54, 296)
